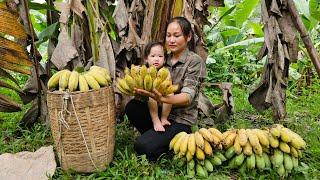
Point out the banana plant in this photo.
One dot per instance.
(310, 14)
(13, 55)
(233, 24)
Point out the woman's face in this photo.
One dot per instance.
(176, 41)
(156, 57)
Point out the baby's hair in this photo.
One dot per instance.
(150, 45)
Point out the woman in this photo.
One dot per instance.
(188, 71)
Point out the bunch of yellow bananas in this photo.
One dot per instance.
(286, 140)
(147, 79)
(246, 140)
(95, 78)
(287, 146)
(276, 148)
(200, 168)
(199, 144)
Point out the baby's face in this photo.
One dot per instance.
(156, 57)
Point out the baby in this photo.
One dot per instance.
(154, 55)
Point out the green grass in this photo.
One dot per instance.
(303, 118)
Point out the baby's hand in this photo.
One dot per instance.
(164, 121)
(158, 127)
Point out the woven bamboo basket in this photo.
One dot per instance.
(83, 128)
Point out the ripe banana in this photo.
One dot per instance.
(199, 154)
(253, 139)
(134, 71)
(216, 133)
(243, 139)
(64, 80)
(123, 90)
(228, 141)
(236, 145)
(199, 140)
(147, 83)
(263, 139)
(206, 134)
(274, 142)
(153, 71)
(226, 133)
(156, 83)
(91, 81)
(189, 156)
(83, 85)
(73, 81)
(175, 138)
(171, 89)
(144, 71)
(297, 141)
(285, 135)
(99, 77)
(54, 80)
(130, 81)
(177, 145)
(275, 132)
(123, 84)
(207, 148)
(163, 73)
(184, 144)
(164, 86)
(284, 147)
(139, 81)
(258, 149)
(104, 72)
(247, 149)
(192, 144)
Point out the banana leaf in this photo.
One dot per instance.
(7, 105)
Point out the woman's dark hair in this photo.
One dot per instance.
(186, 30)
(150, 45)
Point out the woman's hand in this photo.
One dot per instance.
(156, 95)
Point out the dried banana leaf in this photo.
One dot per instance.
(7, 105)
(281, 48)
(65, 51)
(10, 24)
(4, 73)
(13, 67)
(77, 7)
(6, 85)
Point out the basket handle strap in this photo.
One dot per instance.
(62, 120)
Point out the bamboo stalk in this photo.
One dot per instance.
(304, 35)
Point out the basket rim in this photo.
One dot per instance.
(77, 92)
